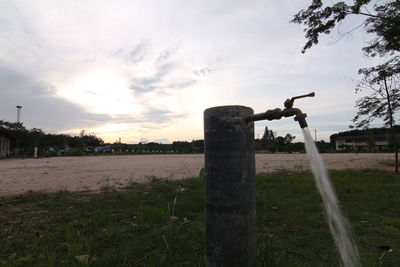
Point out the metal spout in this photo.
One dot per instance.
(288, 111)
(301, 118)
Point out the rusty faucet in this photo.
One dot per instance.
(288, 111)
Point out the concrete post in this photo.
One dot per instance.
(230, 200)
(35, 152)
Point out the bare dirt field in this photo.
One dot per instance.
(95, 172)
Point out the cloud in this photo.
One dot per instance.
(182, 84)
(150, 118)
(157, 115)
(150, 83)
(202, 72)
(139, 52)
(162, 141)
(39, 106)
(143, 140)
(164, 56)
(167, 74)
(151, 67)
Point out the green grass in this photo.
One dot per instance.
(135, 228)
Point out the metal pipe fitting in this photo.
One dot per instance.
(277, 114)
(288, 111)
(271, 114)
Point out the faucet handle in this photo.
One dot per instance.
(289, 102)
(301, 96)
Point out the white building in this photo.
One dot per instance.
(362, 143)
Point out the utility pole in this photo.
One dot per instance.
(315, 135)
(18, 113)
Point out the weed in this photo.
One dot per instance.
(129, 228)
(132, 183)
(107, 188)
(202, 173)
(62, 191)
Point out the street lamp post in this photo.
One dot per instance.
(18, 113)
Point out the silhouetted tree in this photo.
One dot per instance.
(288, 139)
(383, 25)
(23, 140)
(382, 102)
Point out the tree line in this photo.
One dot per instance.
(285, 144)
(23, 142)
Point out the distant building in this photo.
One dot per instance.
(371, 140)
(362, 143)
(4, 144)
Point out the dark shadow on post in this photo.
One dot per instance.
(230, 200)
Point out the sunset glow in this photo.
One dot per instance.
(102, 92)
(134, 69)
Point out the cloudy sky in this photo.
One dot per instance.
(146, 70)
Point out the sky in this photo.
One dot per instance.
(147, 70)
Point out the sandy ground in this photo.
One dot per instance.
(91, 173)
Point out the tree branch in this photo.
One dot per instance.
(365, 14)
(346, 33)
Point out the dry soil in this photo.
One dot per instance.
(94, 172)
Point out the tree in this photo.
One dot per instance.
(92, 140)
(383, 24)
(12, 126)
(288, 139)
(382, 103)
(18, 134)
(24, 140)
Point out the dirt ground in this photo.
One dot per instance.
(92, 173)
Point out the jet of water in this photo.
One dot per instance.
(339, 226)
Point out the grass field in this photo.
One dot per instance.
(162, 223)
